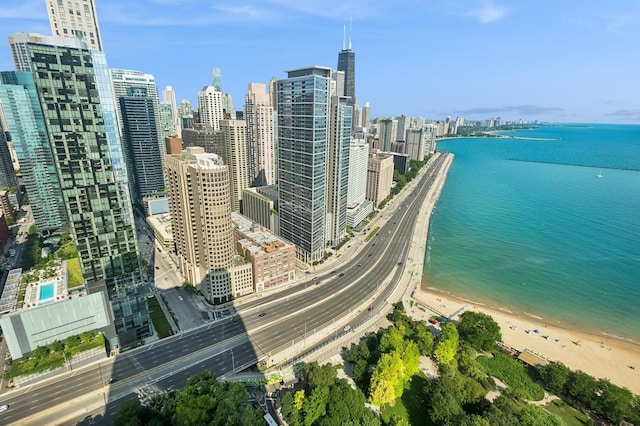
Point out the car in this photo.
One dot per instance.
(3, 408)
(347, 328)
(370, 309)
(180, 298)
(111, 380)
(157, 267)
(262, 314)
(341, 274)
(359, 265)
(432, 321)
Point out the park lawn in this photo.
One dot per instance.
(160, 323)
(74, 274)
(569, 415)
(410, 405)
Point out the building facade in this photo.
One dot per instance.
(200, 205)
(261, 150)
(234, 133)
(273, 259)
(303, 135)
(338, 169)
(79, 114)
(76, 19)
(379, 177)
(25, 123)
(140, 141)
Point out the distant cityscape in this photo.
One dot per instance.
(242, 199)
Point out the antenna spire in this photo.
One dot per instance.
(344, 36)
(350, 27)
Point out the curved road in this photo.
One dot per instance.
(271, 325)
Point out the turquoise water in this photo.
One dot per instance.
(549, 240)
(46, 291)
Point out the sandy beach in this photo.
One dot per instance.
(595, 355)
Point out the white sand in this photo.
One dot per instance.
(597, 356)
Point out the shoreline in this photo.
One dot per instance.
(599, 356)
(616, 359)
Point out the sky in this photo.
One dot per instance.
(557, 61)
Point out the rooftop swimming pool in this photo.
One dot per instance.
(46, 291)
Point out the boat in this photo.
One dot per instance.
(599, 175)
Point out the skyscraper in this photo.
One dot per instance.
(259, 115)
(79, 114)
(76, 19)
(200, 205)
(303, 133)
(7, 173)
(121, 80)
(140, 140)
(338, 169)
(235, 156)
(25, 123)
(211, 107)
(347, 63)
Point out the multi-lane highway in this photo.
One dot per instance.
(264, 329)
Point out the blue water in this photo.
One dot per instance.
(549, 240)
(46, 291)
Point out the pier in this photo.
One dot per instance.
(591, 166)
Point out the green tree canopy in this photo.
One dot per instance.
(479, 329)
(448, 345)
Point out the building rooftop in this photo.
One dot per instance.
(257, 238)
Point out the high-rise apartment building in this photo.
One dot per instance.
(366, 115)
(212, 141)
(358, 207)
(121, 80)
(72, 85)
(379, 177)
(259, 115)
(211, 103)
(303, 134)
(338, 169)
(169, 99)
(200, 204)
(185, 114)
(140, 141)
(235, 156)
(404, 123)
(77, 19)
(416, 143)
(387, 133)
(25, 123)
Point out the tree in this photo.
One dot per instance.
(443, 402)
(555, 377)
(315, 406)
(131, 413)
(316, 376)
(448, 345)
(86, 336)
(387, 379)
(423, 338)
(479, 329)
(391, 340)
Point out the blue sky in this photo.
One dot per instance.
(560, 61)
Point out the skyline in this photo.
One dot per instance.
(569, 62)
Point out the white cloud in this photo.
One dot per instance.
(34, 10)
(489, 12)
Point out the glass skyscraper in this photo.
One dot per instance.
(79, 114)
(140, 138)
(25, 123)
(303, 136)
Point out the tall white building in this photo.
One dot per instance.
(358, 207)
(235, 156)
(211, 105)
(77, 19)
(259, 115)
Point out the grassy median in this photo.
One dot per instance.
(160, 323)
